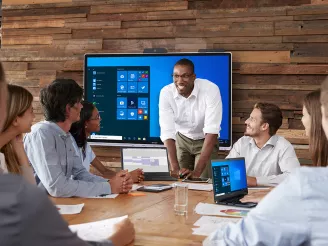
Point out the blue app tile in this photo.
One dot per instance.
(132, 102)
(122, 114)
(132, 87)
(140, 117)
(122, 87)
(132, 76)
(143, 87)
(142, 102)
(132, 114)
(145, 111)
(122, 75)
(121, 102)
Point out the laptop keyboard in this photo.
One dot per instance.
(164, 178)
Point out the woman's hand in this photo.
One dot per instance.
(18, 146)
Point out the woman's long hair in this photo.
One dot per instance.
(19, 100)
(78, 128)
(318, 141)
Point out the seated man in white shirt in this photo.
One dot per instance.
(269, 158)
(190, 113)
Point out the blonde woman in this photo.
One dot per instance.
(19, 120)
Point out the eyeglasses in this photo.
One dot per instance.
(184, 76)
(96, 118)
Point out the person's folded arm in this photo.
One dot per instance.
(81, 173)
(41, 150)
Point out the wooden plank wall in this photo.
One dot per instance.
(280, 52)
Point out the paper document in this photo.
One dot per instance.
(204, 220)
(70, 209)
(157, 187)
(208, 224)
(104, 196)
(96, 231)
(214, 209)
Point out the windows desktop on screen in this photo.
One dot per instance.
(125, 89)
(229, 175)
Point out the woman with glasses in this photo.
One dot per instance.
(90, 122)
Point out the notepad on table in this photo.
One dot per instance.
(96, 231)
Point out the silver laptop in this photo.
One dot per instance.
(153, 161)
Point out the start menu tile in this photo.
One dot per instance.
(132, 94)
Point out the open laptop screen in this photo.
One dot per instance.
(151, 160)
(229, 175)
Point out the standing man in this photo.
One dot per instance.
(50, 147)
(269, 158)
(190, 113)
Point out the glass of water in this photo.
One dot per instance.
(181, 198)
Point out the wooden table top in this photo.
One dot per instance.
(153, 215)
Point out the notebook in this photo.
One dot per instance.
(154, 162)
(230, 182)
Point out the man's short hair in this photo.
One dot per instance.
(2, 74)
(186, 62)
(324, 95)
(57, 95)
(271, 114)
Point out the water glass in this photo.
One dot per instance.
(181, 198)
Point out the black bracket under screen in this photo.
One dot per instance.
(155, 50)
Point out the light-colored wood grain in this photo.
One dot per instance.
(14, 40)
(19, 2)
(125, 8)
(33, 24)
(36, 17)
(153, 215)
(15, 66)
(93, 25)
(261, 56)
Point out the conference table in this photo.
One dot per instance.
(153, 215)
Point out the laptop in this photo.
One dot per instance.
(154, 162)
(230, 182)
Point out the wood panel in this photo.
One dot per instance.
(301, 27)
(33, 24)
(283, 69)
(146, 7)
(245, 3)
(19, 2)
(278, 47)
